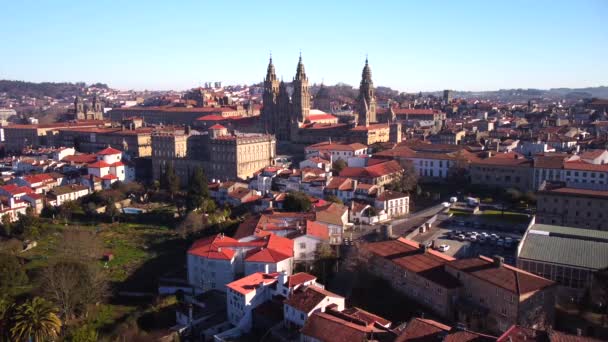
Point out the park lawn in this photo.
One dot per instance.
(507, 216)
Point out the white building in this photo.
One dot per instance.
(108, 167)
(393, 203)
(336, 151)
(305, 301)
(214, 262)
(61, 194)
(305, 245)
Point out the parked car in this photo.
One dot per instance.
(461, 237)
(500, 243)
(443, 248)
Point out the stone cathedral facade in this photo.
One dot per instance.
(289, 117)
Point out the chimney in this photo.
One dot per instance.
(498, 261)
(423, 248)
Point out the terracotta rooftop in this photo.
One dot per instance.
(317, 229)
(108, 151)
(252, 282)
(374, 171)
(408, 255)
(510, 278)
(307, 298)
(299, 278)
(329, 328)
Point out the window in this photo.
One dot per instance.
(302, 244)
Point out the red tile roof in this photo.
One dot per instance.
(217, 126)
(584, 166)
(212, 117)
(214, 247)
(109, 176)
(251, 282)
(99, 164)
(39, 178)
(277, 249)
(408, 255)
(374, 171)
(80, 158)
(307, 298)
(328, 146)
(329, 328)
(427, 330)
(299, 278)
(317, 229)
(14, 189)
(319, 117)
(510, 278)
(108, 151)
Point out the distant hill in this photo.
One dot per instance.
(17, 89)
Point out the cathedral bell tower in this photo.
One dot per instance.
(301, 95)
(366, 101)
(270, 99)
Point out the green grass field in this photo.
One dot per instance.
(141, 254)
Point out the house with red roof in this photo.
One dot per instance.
(305, 301)
(108, 167)
(12, 206)
(335, 151)
(215, 261)
(421, 330)
(352, 324)
(307, 241)
(379, 173)
(39, 183)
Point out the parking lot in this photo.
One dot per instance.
(465, 240)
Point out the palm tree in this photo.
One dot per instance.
(6, 308)
(36, 320)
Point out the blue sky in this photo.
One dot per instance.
(412, 45)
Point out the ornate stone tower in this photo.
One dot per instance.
(366, 101)
(78, 108)
(283, 113)
(270, 100)
(301, 95)
(97, 106)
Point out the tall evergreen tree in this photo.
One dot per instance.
(198, 189)
(170, 181)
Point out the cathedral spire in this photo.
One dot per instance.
(270, 73)
(366, 75)
(300, 73)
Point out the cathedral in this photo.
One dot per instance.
(82, 111)
(291, 118)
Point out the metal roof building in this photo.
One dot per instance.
(566, 255)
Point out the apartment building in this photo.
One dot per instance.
(336, 151)
(588, 170)
(560, 205)
(414, 270)
(393, 203)
(218, 260)
(379, 174)
(505, 170)
(495, 296)
(483, 293)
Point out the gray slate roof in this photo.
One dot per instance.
(569, 246)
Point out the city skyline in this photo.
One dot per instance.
(412, 47)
